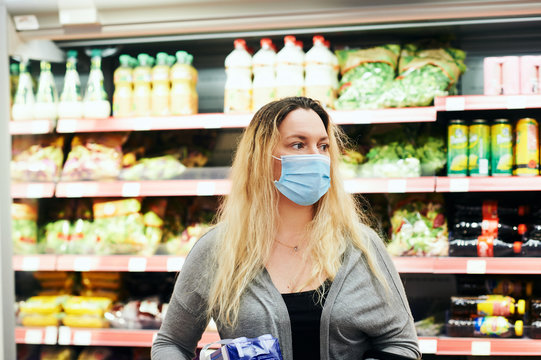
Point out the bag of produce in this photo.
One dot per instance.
(419, 228)
(425, 71)
(263, 347)
(94, 157)
(350, 162)
(394, 159)
(24, 227)
(366, 74)
(137, 314)
(82, 234)
(36, 158)
(155, 168)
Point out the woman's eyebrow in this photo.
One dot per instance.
(303, 137)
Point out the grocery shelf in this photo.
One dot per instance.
(468, 265)
(488, 183)
(36, 335)
(384, 116)
(479, 346)
(390, 185)
(158, 263)
(147, 123)
(31, 127)
(34, 262)
(32, 190)
(483, 102)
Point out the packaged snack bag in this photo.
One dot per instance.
(263, 347)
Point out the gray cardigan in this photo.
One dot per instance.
(358, 314)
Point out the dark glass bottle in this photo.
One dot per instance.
(480, 285)
(489, 326)
(486, 305)
(483, 246)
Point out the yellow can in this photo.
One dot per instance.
(527, 147)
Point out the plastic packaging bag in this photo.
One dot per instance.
(263, 347)
(24, 228)
(37, 158)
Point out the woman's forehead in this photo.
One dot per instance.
(302, 121)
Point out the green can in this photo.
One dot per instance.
(457, 143)
(501, 133)
(479, 148)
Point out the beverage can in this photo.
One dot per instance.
(457, 155)
(527, 147)
(479, 148)
(501, 133)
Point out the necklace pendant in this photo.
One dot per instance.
(296, 248)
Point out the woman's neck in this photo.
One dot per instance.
(293, 221)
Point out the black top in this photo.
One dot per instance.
(305, 316)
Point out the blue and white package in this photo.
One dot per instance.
(264, 347)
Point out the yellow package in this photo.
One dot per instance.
(95, 353)
(55, 353)
(101, 275)
(89, 306)
(54, 292)
(50, 275)
(101, 284)
(57, 284)
(113, 295)
(43, 305)
(85, 321)
(40, 320)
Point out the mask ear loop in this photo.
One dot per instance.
(276, 158)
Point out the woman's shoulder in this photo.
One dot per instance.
(204, 249)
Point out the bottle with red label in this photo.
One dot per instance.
(486, 305)
(531, 245)
(487, 326)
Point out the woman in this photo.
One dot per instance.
(291, 254)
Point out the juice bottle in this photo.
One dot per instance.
(95, 103)
(46, 106)
(161, 85)
(457, 155)
(71, 105)
(527, 147)
(335, 67)
(184, 98)
(319, 84)
(123, 95)
(489, 326)
(142, 77)
(23, 104)
(289, 70)
(487, 305)
(479, 148)
(238, 84)
(501, 134)
(263, 65)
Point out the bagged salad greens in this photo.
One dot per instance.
(36, 158)
(154, 168)
(366, 74)
(419, 227)
(94, 157)
(24, 227)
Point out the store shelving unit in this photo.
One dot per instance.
(482, 102)
(158, 263)
(488, 184)
(31, 127)
(34, 262)
(479, 347)
(32, 190)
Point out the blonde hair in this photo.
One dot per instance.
(248, 215)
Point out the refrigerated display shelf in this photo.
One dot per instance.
(390, 185)
(479, 347)
(31, 127)
(34, 262)
(36, 335)
(468, 265)
(483, 102)
(488, 184)
(32, 190)
(158, 263)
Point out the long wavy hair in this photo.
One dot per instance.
(249, 214)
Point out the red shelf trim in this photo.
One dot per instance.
(32, 190)
(482, 102)
(31, 127)
(488, 184)
(388, 185)
(130, 263)
(34, 262)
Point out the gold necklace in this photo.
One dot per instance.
(295, 248)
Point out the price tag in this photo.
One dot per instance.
(215, 122)
(34, 191)
(83, 264)
(64, 335)
(397, 185)
(174, 264)
(51, 335)
(428, 346)
(67, 125)
(30, 263)
(455, 103)
(142, 124)
(476, 267)
(40, 126)
(131, 189)
(75, 190)
(459, 185)
(206, 188)
(33, 336)
(480, 348)
(137, 264)
(516, 102)
(82, 337)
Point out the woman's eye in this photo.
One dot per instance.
(324, 147)
(297, 146)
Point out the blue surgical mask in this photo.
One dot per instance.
(305, 178)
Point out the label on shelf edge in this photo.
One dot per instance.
(40, 126)
(30, 263)
(174, 264)
(428, 346)
(82, 263)
(480, 348)
(68, 125)
(455, 103)
(516, 102)
(216, 121)
(137, 264)
(143, 124)
(131, 189)
(82, 337)
(34, 191)
(75, 190)
(476, 267)
(51, 335)
(459, 185)
(205, 188)
(33, 336)
(64, 335)
(397, 185)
